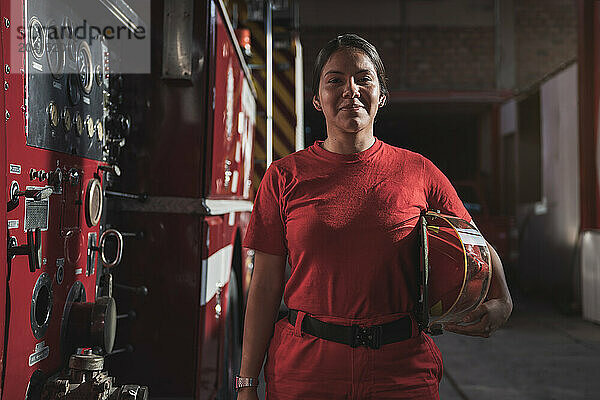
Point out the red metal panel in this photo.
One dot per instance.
(69, 245)
(233, 125)
(589, 100)
(65, 239)
(3, 200)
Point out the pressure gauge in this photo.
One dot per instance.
(53, 114)
(99, 130)
(85, 68)
(89, 126)
(55, 51)
(69, 38)
(78, 124)
(37, 38)
(67, 119)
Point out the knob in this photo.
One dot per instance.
(42, 175)
(55, 179)
(74, 177)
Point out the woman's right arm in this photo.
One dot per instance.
(264, 298)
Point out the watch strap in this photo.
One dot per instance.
(244, 382)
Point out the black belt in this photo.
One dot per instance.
(373, 336)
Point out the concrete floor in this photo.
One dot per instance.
(539, 354)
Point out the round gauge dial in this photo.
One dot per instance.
(78, 124)
(55, 51)
(53, 114)
(85, 68)
(89, 126)
(93, 202)
(99, 130)
(37, 38)
(67, 119)
(69, 38)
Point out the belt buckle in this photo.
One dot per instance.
(368, 336)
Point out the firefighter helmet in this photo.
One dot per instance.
(455, 270)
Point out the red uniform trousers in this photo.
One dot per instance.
(301, 366)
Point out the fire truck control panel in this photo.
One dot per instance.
(127, 197)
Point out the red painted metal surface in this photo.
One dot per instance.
(232, 121)
(184, 259)
(3, 200)
(65, 239)
(68, 244)
(178, 335)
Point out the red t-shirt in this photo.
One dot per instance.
(348, 223)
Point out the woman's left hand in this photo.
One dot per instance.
(484, 320)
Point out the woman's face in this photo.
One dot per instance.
(349, 93)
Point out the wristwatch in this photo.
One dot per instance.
(243, 382)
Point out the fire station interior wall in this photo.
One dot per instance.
(590, 275)
(508, 129)
(451, 44)
(549, 227)
(529, 155)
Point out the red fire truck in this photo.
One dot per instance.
(128, 194)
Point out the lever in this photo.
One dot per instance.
(138, 290)
(129, 196)
(101, 246)
(135, 235)
(130, 315)
(35, 194)
(113, 169)
(127, 349)
(33, 249)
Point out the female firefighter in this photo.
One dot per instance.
(345, 212)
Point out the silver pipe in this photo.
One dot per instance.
(269, 61)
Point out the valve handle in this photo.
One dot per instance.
(32, 249)
(34, 241)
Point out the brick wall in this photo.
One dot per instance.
(435, 57)
(420, 58)
(545, 37)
